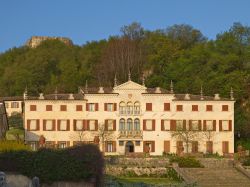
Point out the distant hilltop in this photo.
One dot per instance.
(34, 41)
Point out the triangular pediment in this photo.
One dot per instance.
(130, 85)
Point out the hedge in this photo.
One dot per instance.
(73, 164)
(8, 145)
(186, 162)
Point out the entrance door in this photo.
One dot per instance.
(129, 148)
(225, 147)
(179, 147)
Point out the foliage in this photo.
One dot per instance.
(186, 162)
(15, 134)
(13, 146)
(16, 121)
(245, 143)
(173, 175)
(180, 53)
(72, 164)
(246, 162)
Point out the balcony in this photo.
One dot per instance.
(130, 134)
(130, 112)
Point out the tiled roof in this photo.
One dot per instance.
(58, 97)
(11, 98)
(182, 97)
(95, 90)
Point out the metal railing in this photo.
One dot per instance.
(130, 133)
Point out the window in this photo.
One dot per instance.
(166, 106)
(224, 107)
(148, 106)
(179, 124)
(32, 107)
(129, 124)
(129, 108)
(110, 107)
(79, 125)
(137, 108)
(32, 125)
(209, 147)
(63, 125)
(122, 125)
(48, 125)
(194, 147)
(209, 125)
(91, 107)
(78, 107)
(92, 125)
(137, 124)
(149, 125)
(62, 145)
(166, 125)
(137, 143)
(48, 107)
(14, 104)
(121, 143)
(179, 108)
(149, 146)
(122, 108)
(195, 108)
(110, 147)
(110, 124)
(194, 125)
(63, 107)
(209, 107)
(225, 125)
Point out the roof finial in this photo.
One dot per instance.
(143, 80)
(129, 75)
(86, 86)
(231, 94)
(202, 98)
(171, 87)
(56, 92)
(115, 81)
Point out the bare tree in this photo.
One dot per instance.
(104, 134)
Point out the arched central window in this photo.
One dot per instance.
(137, 108)
(137, 124)
(122, 108)
(122, 125)
(129, 124)
(129, 108)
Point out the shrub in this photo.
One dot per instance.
(246, 162)
(72, 164)
(12, 146)
(186, 162)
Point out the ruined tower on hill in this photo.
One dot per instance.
(34, 41)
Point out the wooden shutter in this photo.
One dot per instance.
(87, 106)
(44, 125)
(220, 125)
(179, 108)
(114, 125)
(115, 106)
(166, 106)
(225, 148)
(194, 147)
(48, 107)
(74, 125)
(190, 125)
(114, 146)
(144, 147)
(105, 106)
(96, 106)
(214, 125)
(32, 107)
(63, 107)
(204, 125)
(86, 125)
(209, 146)
(106, 146)
(162, 125)
(28, 124)
(37, 124)
(96, 125)
(153, 125)
(68, 143)
(144, 125)
(184, 125)
(54, 124)
(79, 107)
(173, 125)
(230, 125)
(68, 125)
(194, 107)
(199, 125)
(152, 146)
(167, 146)
(224, 107)
(106, 125)
(148, 106)
(58, 125)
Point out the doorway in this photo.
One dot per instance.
(129, 148)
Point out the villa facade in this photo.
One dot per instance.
(132, 118)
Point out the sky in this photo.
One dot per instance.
(88, 20)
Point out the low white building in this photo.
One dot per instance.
(132, 118)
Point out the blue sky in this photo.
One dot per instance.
(87, 20)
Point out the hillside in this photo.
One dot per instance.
(179, 53)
